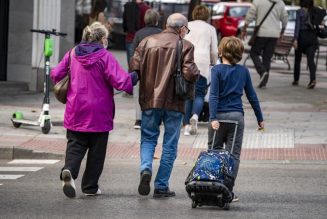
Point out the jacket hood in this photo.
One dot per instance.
(89, 53)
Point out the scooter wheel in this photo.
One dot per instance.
(16, 124)
(47, 126)
(194, 204)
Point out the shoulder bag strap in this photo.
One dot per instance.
(179, 54)
(264, 18)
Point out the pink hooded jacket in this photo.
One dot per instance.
(90, 104)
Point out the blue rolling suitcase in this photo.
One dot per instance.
(211, 180)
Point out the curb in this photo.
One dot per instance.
(9, 153)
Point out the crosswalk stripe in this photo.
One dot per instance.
(1, 184)
(9, 176)
(18, 169)
(33, 161)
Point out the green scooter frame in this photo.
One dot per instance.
(44, 120)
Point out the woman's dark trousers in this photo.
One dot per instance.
(95, 144)
(310, 52)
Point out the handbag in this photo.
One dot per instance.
(61, 87)
(184, 89)
(256, 28)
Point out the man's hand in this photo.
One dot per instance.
(215, 124)
(295, 44)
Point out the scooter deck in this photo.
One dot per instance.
(25, 121)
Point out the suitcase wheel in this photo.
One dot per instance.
(226, 206)
(194, 204)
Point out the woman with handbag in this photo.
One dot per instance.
(94, 73)
(305, 41)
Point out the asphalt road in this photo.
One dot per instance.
(266, 190)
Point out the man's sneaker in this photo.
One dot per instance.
(187, 129)
(94, 194)
(137, 124)
(163, 193)
(194, 124)
(263, 80)
(235, 198)
(144, 186)
(68, 185)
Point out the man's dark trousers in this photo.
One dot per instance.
(263, 46)
(77, 146)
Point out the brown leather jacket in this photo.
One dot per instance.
(155, 60)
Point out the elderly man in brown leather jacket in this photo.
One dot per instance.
(155, 61)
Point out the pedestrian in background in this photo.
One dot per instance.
(151, 19)
(228, 80)
(133, 20)
(272, 28)
(155, 60)
(204, 38)
(305, 41)
(94, 73)
(97, 14)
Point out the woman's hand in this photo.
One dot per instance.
(215, 124)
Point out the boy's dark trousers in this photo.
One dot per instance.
(77, 146)
(265, 47)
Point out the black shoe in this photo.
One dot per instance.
(137, 124)
(295, 83)
(312, 84)
(144, 186)
(263, 80)
(163, 193)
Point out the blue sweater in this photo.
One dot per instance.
(226, 90)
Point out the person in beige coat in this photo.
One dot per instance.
(204, 38)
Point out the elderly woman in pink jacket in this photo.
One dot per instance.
(90, 109)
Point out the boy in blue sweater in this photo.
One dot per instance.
(228, 80)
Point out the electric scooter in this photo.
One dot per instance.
(44, 120)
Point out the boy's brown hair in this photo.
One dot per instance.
(231, 48)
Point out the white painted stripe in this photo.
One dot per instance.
(31, 161)
(10, 176)
(1, 184)
(18, 169)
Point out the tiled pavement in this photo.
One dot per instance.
(295, 118)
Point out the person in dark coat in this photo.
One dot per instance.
(306, 41)
(151, 19)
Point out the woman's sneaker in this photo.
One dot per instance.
(94, 194)
(187, 129)
(68, 185)
(194, 124)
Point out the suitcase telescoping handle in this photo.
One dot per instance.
(234, 136)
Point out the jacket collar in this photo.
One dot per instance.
(171, 30)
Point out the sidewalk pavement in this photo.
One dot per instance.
(295, 120)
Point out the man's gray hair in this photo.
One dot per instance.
(176, 20)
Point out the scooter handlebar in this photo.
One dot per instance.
(52, 32)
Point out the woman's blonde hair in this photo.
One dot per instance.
(231, 48)
(94, 32)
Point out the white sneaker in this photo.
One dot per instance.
(68, 184)
(194, 124)
(187, 129)
(97, 193)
